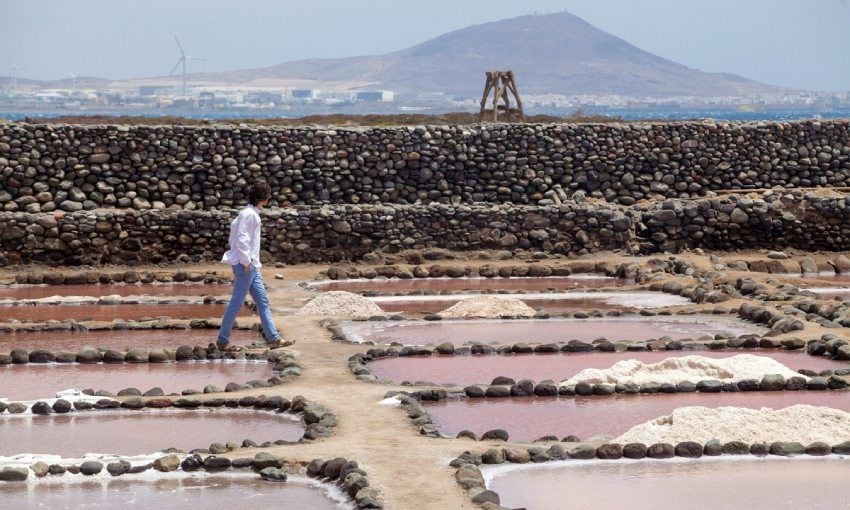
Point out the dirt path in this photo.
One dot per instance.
(409, 470)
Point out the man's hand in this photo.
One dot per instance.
(247, 267)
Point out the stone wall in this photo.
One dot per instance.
(72, 168)
(306, 234)
(346, 232)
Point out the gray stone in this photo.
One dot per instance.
(14, 474)
(91, 467)
(167, 463)
(273, 474)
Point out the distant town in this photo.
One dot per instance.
(218, 101)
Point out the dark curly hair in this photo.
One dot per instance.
(258, 192)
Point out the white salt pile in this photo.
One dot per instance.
(488, 307)
(684, 368)
(801, 423)
(341, 304)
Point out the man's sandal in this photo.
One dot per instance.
(276, 344)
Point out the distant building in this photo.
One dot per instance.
(376, 96)
(152, 90)
(305, 93)
(262, 98)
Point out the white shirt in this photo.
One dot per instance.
(244, 239)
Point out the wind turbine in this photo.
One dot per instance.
(183, 59)
(12, 68)
(73, 81)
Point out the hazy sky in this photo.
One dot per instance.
(794, 43)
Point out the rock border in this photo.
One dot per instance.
(285, 368)
(140, 299)
(526, 388)
(469, 477)
(121, 325)
(320, 421)
(350, 477)
(347, 474)
(358, 363)
(338, 334)
(57, 276)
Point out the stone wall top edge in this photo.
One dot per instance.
(362, 129)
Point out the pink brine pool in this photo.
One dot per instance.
(780, 484)
(481, 369)
(112, 312)
(556, 302)
(99, 290)
(171, 491)
(141, 432)
(545, 331)
(529, 418)
(56, 341)
(34, 381)
(526, 284)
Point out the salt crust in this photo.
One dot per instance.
(799, 423)
(487, 307)
(684, 368)
(341, 304)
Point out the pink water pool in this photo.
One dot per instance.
(33, 381)
(780, 484)
(140, 432)
(481, 369)
(125, 289)
(527, 418)
(546, 331)
(56, 341)
(555, 302)
(167, 492)
(111, 312)
(526, 284)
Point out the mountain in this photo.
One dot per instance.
(553, 53)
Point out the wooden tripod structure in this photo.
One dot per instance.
(502, 84)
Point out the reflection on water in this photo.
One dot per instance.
(34, 380)
(112, 312)
(167, 492)
(527, 418)
(140, 432)
(99, 290)
(56, 341)
(526, 284)
(780, 484)
(545, 331)
(466, 370)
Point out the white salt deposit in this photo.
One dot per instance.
(488, 307)
(801, 423)
(684, 368)
(341, 304)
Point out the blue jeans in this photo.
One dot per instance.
(244, 282)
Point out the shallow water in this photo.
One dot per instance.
(167, 492)
(557, 302)
(545, 331)
(481, 369)
(527, 419)
(528, 284)
(140, 432)
(56, 341)
(33, 381)
(99, 290)
(111, 312)
(780, 484)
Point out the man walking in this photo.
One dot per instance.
(244, 258)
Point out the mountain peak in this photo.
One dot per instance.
(556, 53)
